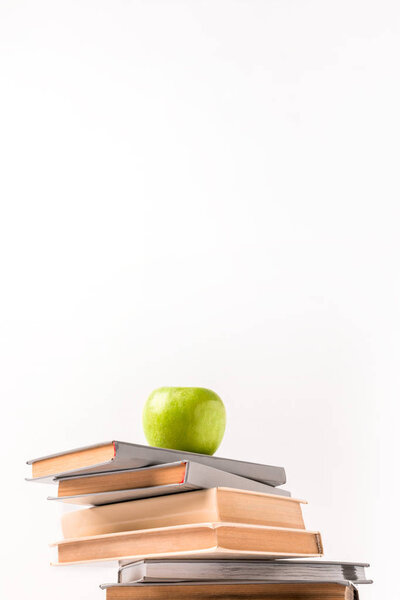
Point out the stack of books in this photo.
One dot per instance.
(183, 524)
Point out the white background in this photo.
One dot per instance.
(202, 193)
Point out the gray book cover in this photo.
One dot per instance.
(226, 570)
(197, 476)
(134, 456)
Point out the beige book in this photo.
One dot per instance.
(204, 540)
(259, 591)
(202, 506)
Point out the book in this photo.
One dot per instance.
(204, 540)
(115, 455)
(202, 506)
(251, 591)
(170, 478)
(176, 570)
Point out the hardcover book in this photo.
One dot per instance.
(204, 540)
(176, 570)
(250, 591)
(159, 480)
(202, 506)
(113, 456)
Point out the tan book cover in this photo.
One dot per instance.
(202, 506)
(259, 591)
(207, 540)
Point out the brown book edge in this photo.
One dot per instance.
(235, 590)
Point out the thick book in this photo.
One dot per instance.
(159, 480)
(177, 570)
(202, 506)
(232, 591)
(204, 540)
(115, 456)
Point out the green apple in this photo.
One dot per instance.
(184, 418)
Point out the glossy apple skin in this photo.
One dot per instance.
(184, 418)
